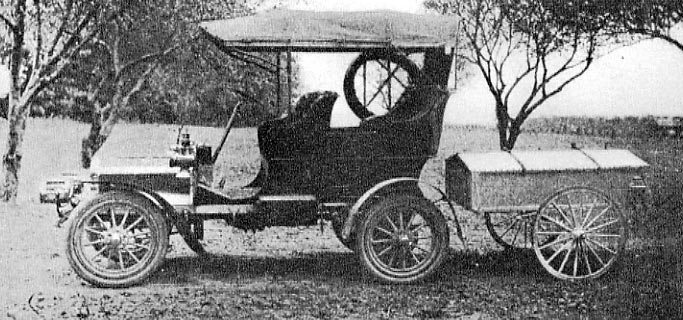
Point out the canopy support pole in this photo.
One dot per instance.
(289, 76)
(278, 88)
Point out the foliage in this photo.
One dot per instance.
(43, 37)
(553, 41)
(651, 18)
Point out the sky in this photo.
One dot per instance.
(641, 79)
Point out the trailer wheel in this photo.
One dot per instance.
(402, 239)
(117, 239)
(511, 230)
(579, 233)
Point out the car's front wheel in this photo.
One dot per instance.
(117, 239)
(402, 239)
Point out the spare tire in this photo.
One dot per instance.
(350, 93)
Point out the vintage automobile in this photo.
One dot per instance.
(365, 179)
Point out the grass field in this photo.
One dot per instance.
(305, 273)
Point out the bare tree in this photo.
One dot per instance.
(45, 36)
(554, 42)
(120, 78)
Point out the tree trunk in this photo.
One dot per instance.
(98, 134)
(513, 133)
(11, 161)
(503, 121)
(91, 143)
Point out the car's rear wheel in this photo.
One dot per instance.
(402, 239)
(117, 239)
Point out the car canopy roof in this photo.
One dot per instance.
(302, 31)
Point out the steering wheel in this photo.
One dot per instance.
(375, 79)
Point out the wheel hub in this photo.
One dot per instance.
(117, 238)
(403, 238)
(578, 233)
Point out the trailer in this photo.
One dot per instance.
(563, 204)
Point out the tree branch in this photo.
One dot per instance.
(10, 25)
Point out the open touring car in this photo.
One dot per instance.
(364, 179)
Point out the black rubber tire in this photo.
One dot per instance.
(142, 269)
(350, 93)
(422, 269)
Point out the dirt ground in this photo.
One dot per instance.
(301, 273)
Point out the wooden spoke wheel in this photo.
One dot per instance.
(402, 239)
(117, 240)
(512, 230)
(375, 80)
(579, 233)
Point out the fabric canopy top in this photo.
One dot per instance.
(280, 30)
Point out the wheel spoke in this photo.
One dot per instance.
(561, 212)
(556, 222)
(551, 233)
(134, 223)
(602, 246)
(418, 228)
(383, 252)
(509, 228)
(400, 219)
(590, 248)
(571, 211)
(555, 242)
(120, 259)
(125, 217)
(113, 217)
(393, 225)
(554, 255)
(514, 238)
(606, 224)
(588, 214)
(387, 232)
(381, 86)
(422, 249)
(92, 243)
(94, 231)
(585, 258)
(404, 257)
(417, 260)
(99, 252)
(576, 258)
(393, 257)
(141, 246)
(605, 235)
(566, 257)
(388, 69)
(99, 219)
(379, 241)
(132, 255)
(598, 216)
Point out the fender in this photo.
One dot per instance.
(392, 183)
